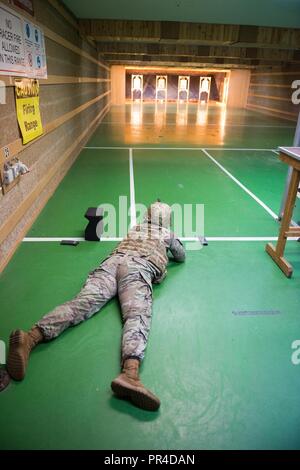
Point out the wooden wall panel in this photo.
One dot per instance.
(271, 92)
(72, 101)
(118, 84)
(238, 88)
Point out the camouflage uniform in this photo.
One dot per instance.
(137, 262)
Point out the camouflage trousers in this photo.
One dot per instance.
(128, 277)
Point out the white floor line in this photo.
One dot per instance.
(132, 191)
(59, 239)
(238, 149)
(275, 151)
(106, 148)
(235, 239)
(245, 239)
(182, 148)
(183, 239)
(52, 239)
(259, 201)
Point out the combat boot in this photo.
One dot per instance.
(20, 346)
(127, 385)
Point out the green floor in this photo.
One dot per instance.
(225, 380)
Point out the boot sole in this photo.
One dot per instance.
(138, 398)
(15, 363)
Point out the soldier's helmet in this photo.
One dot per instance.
(159, 213)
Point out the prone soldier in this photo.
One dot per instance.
(139, 261)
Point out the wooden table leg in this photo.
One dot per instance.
(277, 253)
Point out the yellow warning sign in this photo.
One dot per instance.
(28, 108)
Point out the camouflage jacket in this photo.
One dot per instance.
(152, 243)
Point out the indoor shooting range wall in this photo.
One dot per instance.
(271, 92)
(73, 100)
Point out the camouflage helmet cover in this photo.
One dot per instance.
(159, 213)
